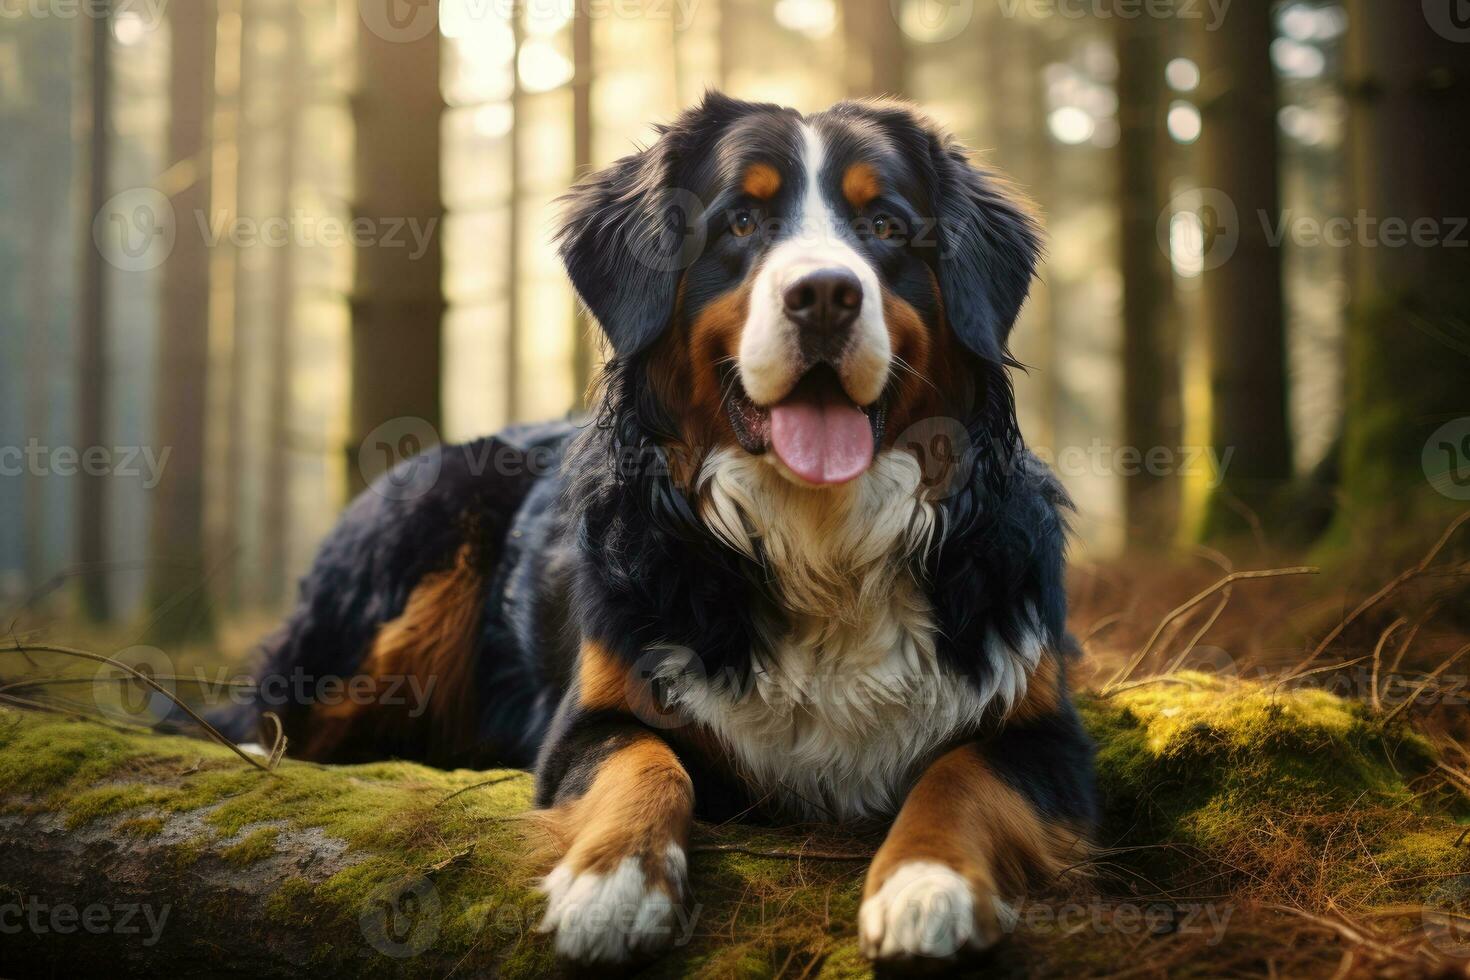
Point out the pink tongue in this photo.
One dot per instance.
(820, 434)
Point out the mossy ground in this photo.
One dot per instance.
(1222, 801)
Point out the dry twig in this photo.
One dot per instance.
(214, 733)
(1378, 661)
(1379, 596)
(1180, 610)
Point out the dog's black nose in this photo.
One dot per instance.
(827, 300)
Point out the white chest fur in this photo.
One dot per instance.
(848, 696)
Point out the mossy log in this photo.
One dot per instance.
(138, 853)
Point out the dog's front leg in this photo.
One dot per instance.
(621, 803)
(983, 822)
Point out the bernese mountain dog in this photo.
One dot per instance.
(798, 566)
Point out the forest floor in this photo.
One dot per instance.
(1284, 760)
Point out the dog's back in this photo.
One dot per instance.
(409, 637)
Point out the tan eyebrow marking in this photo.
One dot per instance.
(860, 184)
(762, 181)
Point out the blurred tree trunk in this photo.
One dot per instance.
(398, 296)
(1040, 175)
(1408, 340)
(1151, 396)
(726, 39)
(583, 350)
(224, 441)
(1016, 53)
(36, 371)
(874, 62)
(275, 492)
(91, 547)
(177, 593)
(1244, 307)
(514, 180)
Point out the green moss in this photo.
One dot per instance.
(289, 904)
(108, 800)
(141, 827)
(36, 757)
(1205, 779)
(1266, 781)
(257, 846)
(843, 963)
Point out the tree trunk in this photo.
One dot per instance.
(874, 62)
(398, 296)
(584, 344)
(1039, 176)
(276, 488)
(1407, 434)
(396, 869)
(178, 595)
(91, 548)
(517, 145)
(224, 440)
(1151, 377)
(1244, 309)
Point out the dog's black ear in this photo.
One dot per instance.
(621, 243)
(630, 230)
(989, 245)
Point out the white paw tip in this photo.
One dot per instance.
(608, 918)
(925, 909)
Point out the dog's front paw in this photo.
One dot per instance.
(612, 916)
(928, 910)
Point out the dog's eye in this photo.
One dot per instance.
(742, 223)
(882, 226)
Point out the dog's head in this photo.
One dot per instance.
(805, 286)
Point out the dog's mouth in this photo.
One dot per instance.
(819, 433)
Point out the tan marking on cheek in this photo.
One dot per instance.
(940, 384)
(961, 814)
(714, 340)
(908, 337)
(860, 184)
(762, 181)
